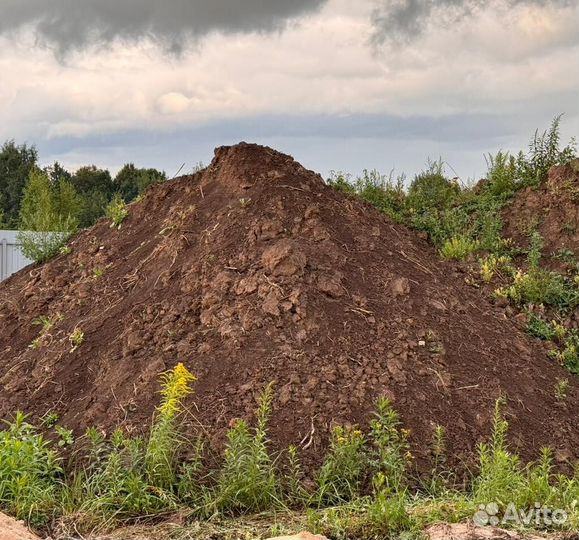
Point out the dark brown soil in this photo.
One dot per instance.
(552, 209)
(254, 270)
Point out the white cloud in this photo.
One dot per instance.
(173, 103)
(499, 62)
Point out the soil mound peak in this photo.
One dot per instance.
(251, 271)
(244, 165)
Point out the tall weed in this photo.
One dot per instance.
(247, 480)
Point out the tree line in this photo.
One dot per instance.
(52, 198)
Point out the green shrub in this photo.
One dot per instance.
(487, 223)
(341, 181)
(502, 173)
(459, 248)
(440, 225)
(29, 470)
(431, 189)
(383, 192)
(124, 477)
(544, 153)
(538, 482)
(111, 484)
(538, 286)
(41, 246)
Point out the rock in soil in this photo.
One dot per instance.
(12, 529)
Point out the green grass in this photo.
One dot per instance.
(383, 192)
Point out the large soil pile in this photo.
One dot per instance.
(552, 209)
(254, 270)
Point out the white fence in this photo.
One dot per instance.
(11, 258)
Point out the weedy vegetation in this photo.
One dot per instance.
(561, 389)
(365, 486)
(29, 472)
(117, 211)
(464, 223)
(459, 248)
(76, 338)
(47, 324)
(247, 480)
(164, 441)
(458, 219)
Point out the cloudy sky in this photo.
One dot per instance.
(339, 84)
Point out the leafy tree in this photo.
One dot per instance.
(16, 162)
(94, 207)
(132, 181)
(57, 173)
(90, 178)
(67, 201)
(96, 188)
(46, 219)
